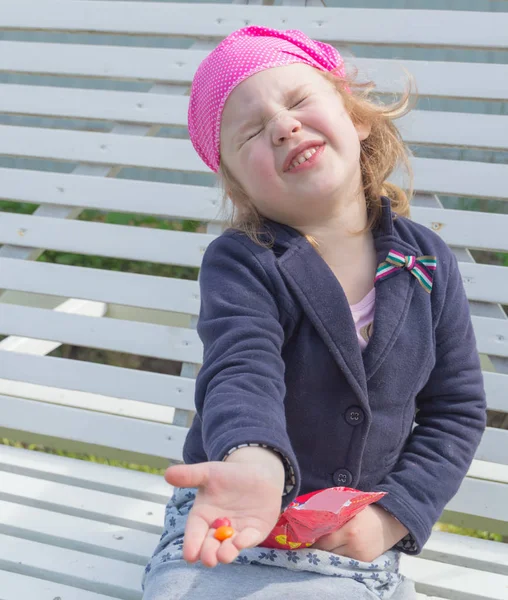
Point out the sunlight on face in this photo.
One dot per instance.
(266, 118)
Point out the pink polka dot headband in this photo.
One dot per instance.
(242, 54)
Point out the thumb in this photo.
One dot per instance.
(187, 475)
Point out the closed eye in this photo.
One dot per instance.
(253, 135)
(299, 102)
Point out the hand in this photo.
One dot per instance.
(366, 536)
(249, 495)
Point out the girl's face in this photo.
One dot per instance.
(271, 115)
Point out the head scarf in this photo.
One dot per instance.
(243, 53)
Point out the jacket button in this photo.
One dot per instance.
(354, 415)
(342, 477)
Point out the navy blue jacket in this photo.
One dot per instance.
(282, 366)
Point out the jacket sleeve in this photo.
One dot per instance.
(450, 420)
(240, 388)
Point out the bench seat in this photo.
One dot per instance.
(93, 102)
(91, 528)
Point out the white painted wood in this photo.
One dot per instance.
(202, 203)
(491, 335)
(454, 129)
(131, 289)
(475, 178)
(352, 25)
(69, 567)
(454, 582)
(95, 379)
(104, 105)
(435, 78)
(465, 227)
(494, 446)
(486, 283)
(15, 586)
(467, 552)
(34, 346)
(131, 435)
(79, 473)
(145, 339)
(83, 503)
(49, 378)
(118, 195)
(480, 469)
(420, 126)
(85, 535)
(173, 343)
(496, 385)
(459, 177)
(99, 148)
(120, 241)
(481, 498)
(89, 401)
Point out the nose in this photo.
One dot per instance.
(284, 127)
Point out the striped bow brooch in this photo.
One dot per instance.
(422, 267)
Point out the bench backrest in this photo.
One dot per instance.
(93, 114)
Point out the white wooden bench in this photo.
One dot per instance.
(91, 96)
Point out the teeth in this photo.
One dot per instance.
(301, 158)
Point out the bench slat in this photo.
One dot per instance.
(131, 384)
(117, 241)
(130, 289)
(131, 435)
(353, 25)
(454, 129)
(459, 178)
(83, 503)
(104, 193)
(107, 380)
(484, 180)
(468, 228)
(15, 586)
(458, 228)
(81, 473)
(454, 582)
(491, 335)
(173, 343)
(76, 533)
(99, 148)
(486, 283)
(480, 498)
(493, 446)
(69, 567)
(145, 339)
(419, 127)
(482, 81)
(467, 552)
(104, 105)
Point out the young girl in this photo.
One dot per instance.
(331, 326)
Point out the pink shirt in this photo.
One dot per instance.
(363, 316)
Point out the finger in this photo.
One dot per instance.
(228, 552)
(196, 530)
(247, 538)
(209, 551)
(187, 475)
(330, 541)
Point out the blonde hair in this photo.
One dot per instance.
(380, 153)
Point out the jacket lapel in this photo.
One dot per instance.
(324, 303)
(393, 294)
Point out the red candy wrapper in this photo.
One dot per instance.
(314, 515)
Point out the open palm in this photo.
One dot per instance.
(242, 493)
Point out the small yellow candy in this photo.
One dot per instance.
(223, 533)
